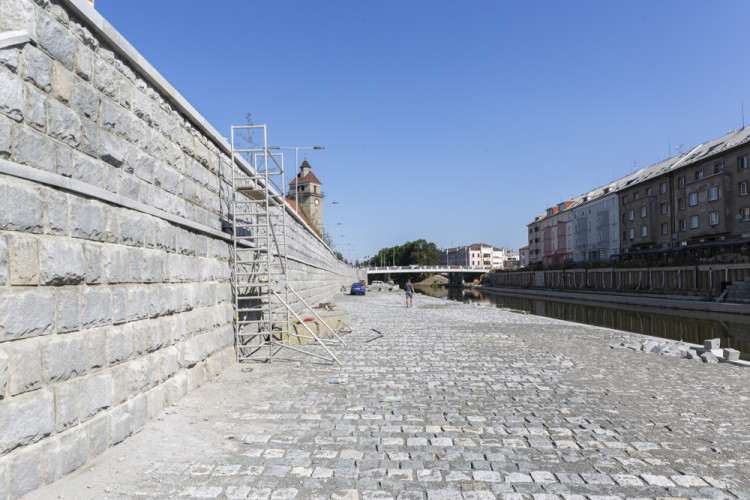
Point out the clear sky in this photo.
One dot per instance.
(456, 122)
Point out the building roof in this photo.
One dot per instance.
(307, 179)
(474, 246)
(299, 211)
(697, 154)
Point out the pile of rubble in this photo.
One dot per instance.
(709, 353)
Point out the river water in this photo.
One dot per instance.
(689, 326)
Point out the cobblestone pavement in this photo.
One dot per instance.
(454, 402)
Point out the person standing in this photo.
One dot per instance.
(409, 293)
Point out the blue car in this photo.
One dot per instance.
(357, 289)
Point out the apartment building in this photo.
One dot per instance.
(523, 256)
(535, 240)
(695, 203)
(478, 255)
(646, 207)
(696, 200)
(596, 224)
(557, 236)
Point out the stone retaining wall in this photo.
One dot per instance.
(699, 280)
(115, 291)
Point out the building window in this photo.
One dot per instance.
(624, 200)
(718, 167)
(649, 191)
(664, 208)
(643, 211)
(631, 233)
(681, 182)
(644, 231)
(745, 213)
(682, 203)
(693, 222)
(663, 188)
(699, 174)
(713, 194)
(630, 215)
(743, 188)
(664, 228)
(742, 162)
(713, 218)
(693, 199)
(636, 196)
(683, 226)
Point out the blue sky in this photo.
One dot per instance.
(456, 122)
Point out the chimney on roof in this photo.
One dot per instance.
(91, 2)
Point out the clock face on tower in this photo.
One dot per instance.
(317, 202)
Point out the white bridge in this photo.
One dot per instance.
(426, 269)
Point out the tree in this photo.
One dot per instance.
(420, 252)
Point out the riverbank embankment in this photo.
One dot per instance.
(730, 282)
(452, 401)
(651, 300)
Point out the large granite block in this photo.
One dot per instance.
(84, 62)
(64, 455)
(106, 78)
(57, 41)
(119, 342)
(3, 373)
(96, 307)
(56, 204)
(64, 357)
(24, 260)
(61, 262)
(25, 419)
(66, 405)
(36, 111)
(64, 123)
(16, 323)
(86, 219)
(86, 101)
(25, 472)
(97, 430)
(25, 366)
(6, 135)
(96, 394)
(62, 83)
(18, 15)
(34, 149)
(37, 67)
(120, 425)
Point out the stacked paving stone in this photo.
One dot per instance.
(115, 294)
(453, 402)
(709, 353)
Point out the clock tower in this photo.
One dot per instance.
(309, 195)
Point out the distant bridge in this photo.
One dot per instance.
(426, 269)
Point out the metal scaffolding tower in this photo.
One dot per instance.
(262, 293)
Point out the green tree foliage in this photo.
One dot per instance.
(419, 252)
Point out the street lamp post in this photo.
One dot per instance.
(296, 167)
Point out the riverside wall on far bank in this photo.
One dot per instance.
(702, 281)
(115, 275)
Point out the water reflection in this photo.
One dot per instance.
(693, 327)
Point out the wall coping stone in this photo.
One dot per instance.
(79, 187)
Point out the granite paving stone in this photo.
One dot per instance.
(455, 401)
